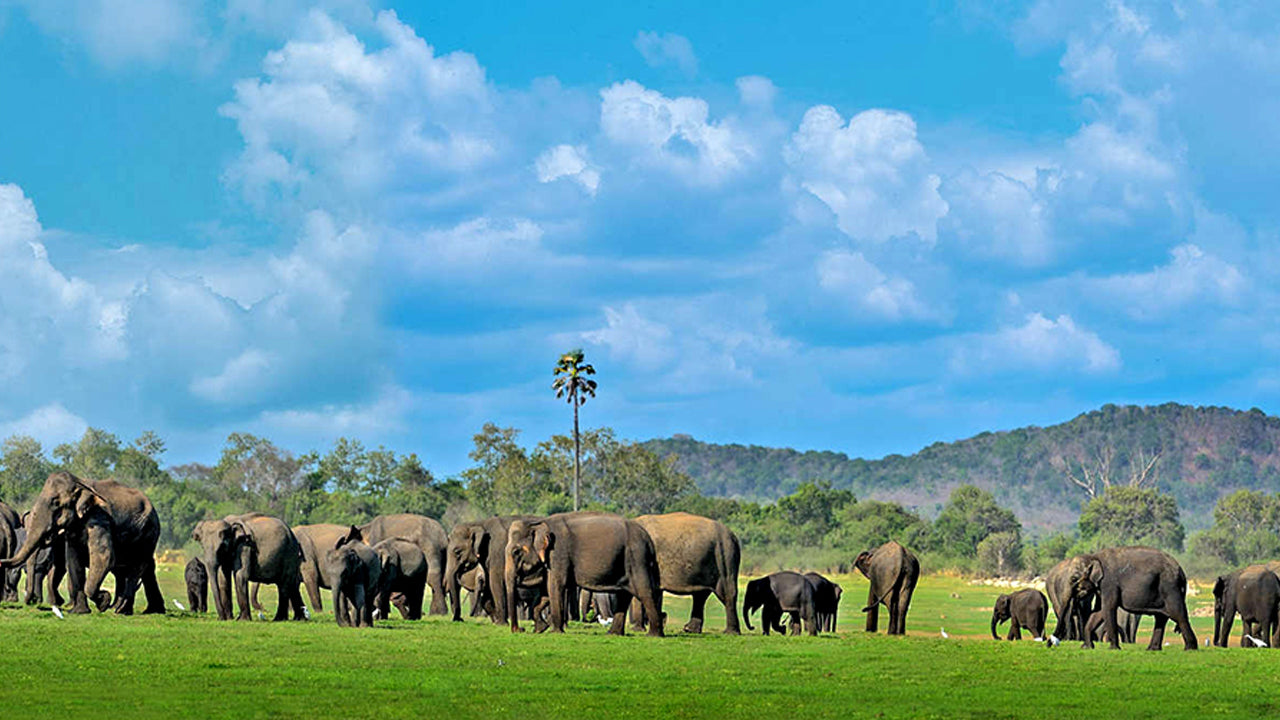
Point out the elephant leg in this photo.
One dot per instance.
(584, 604)
(698, 614)
(727, 594)
(637, 612)
(651, 600)
(33, 594)
(1247, 629)
(892, 607)
(295, 598)
(414, 601)
(77, 566)
(1177, 611)
(339, 608)
(241, 578)
(56, 572)
(623, 602)
(253, 597)
(873, 610)
(311, 578)
(435, 579)
(1157, 633)
(904, 605)
(555, 590)
(151, 588)
(793, 625)
(101, 559)
(282, 601)
(810, 620)
(126, 587)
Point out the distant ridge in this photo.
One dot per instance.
(1197, 453)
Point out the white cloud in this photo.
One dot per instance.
(667, 49)
(1191, 277)
(756, 91)
(337, 125)
(477, 244)
(873, 173)
(124, 32)
(673, 134)
(852, 277)
(243, 377)
(51, 424)
(568, 161)
(1040, 345)
(996, 216)
(385, 413)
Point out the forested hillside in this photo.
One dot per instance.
(1197, 454)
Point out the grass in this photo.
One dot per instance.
(184, 665)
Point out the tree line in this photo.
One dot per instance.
(816, 526)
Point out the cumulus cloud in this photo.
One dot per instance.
(995, 216)
(872, 172)
(124, 32)
(667, 49)
(869, 290)
(568, 161)
(1191, 277)
(51, 424)
(675, 135)
(756, 91)
(1039, 345)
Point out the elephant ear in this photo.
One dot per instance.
(479, 542)
(543, 541)
(1220, 586)
(87, 499)
(1095, 572)
(861, 562)
(352, 535)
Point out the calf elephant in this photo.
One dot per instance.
(697, 556)
(197, 579)
(356, 572)
(1141, 580)
(404, 571)
(1254, 592)
(1126, 622)
(1024, 609)
(893, 572)
(108, 528)
(240, 549)
(827, 598)
(779, 593)
(424, 532)
(314, 541)
(600, 552)
(12, 535)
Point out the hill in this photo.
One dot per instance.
(1196, 453)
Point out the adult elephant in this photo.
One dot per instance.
(600, 552)
(1073, 613)
(781, 593)
(827, 600)
(1141, 580)
(893, 572)
(480, 544)
(247, 548)
(1254, 592)
(1026, 608)
(697, 556)
(108, 527)
(424, 532)
(46, 566)
(314, 541)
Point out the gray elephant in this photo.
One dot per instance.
(355, 572)
(697, 556)
(424, 532)
(893, 572)
(404, 571)
(197, 579)
(315, 541)
(480, 544)
(108, 528)
(46, 566)
(1027, 608)
(240, 549)
(1073, 613)
(827, 597)
(600, 552)
(1254, 593)
(12, 535)
(1141, 580)
(782, 593)
(1126, 622)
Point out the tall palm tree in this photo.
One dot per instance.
(575, 387)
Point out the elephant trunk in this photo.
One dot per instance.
(509, 576)
(747, 609)
(995, 619)
(452, 587)
(41, 526)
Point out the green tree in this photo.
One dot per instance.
(260, 473)
(865, 524)
(23, 469)
(505, 479)
(970, 515)
(94, 455)
(811, 510)
(572, 382)
(1132, 516)
(1000, 554)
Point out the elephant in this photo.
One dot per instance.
(697, 556)
(428, 535)
(480, 544)
(108, 527)
(404, 571)
(600, 552)
(1254, 592)
(1126, 622)
(197, 579)
(47, 565)
(827, 599)
(1026, 608)
(314, 541)
(605, 605)
(893, 572)
(1072, 613)
(1141, 580)
(12, 536)
(251, 548)
(782, 592)
(355, 571)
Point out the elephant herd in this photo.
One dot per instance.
(550, 570)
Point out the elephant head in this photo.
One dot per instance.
(757, 596)
(863, 563)
(65, 503)
(999, 614)
(467, 545)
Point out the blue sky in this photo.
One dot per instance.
(836, 226)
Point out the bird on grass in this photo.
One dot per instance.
(1256, 642)
(178, 604)
(944, 633)
(56, 612)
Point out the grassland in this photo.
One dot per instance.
(183, 665)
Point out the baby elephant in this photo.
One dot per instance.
(404, 571)
(1025, 609)
(782, 592)
(197, 586)
(355, 571)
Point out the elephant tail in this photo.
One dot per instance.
(728, 557)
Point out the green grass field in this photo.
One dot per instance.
(184, 665)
